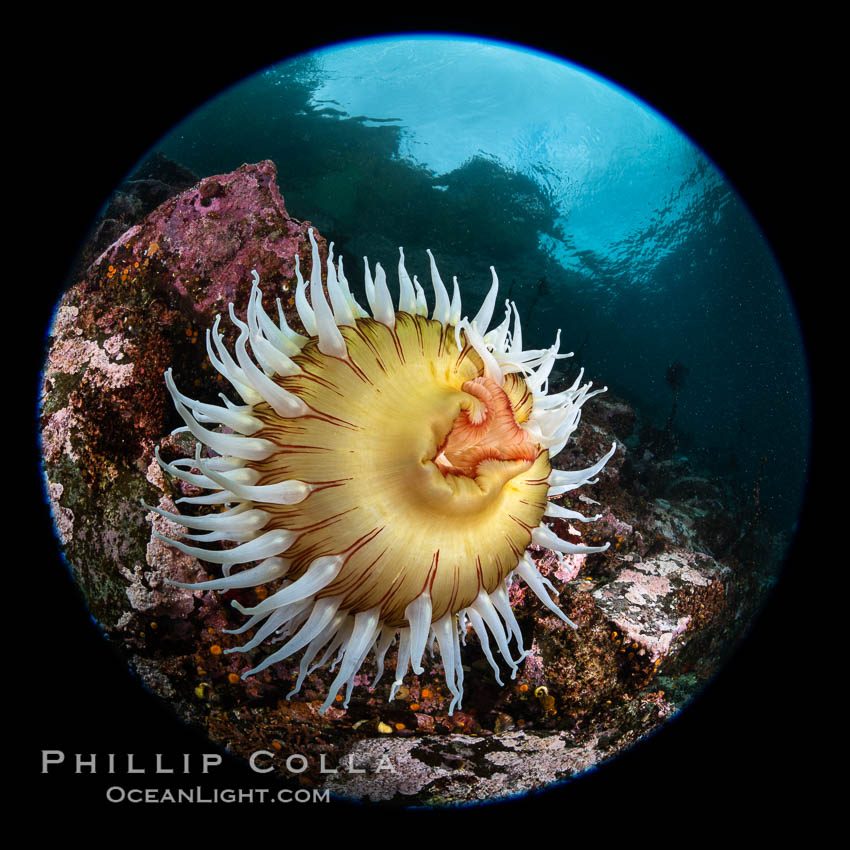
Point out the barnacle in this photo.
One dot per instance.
(389, 469)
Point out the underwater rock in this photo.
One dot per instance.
(138, 308)
(655, 602)
(473, 769)
(695, 488)
(155, 180)
(616, 414)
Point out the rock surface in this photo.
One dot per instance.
(655, 613)
(143, 305)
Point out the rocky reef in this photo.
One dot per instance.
(657, 613)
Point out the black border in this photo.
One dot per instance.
(741, 93)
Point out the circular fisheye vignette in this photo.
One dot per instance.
(331, 332)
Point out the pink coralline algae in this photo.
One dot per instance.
(646, 601)
(137, 309)
(212, 235)
(63, 518)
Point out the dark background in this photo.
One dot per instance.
(100, 94)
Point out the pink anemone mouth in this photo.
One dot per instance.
(486, 430)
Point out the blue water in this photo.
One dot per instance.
(600, 216)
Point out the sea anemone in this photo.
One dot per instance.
(389, 470)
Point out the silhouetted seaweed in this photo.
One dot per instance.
(676, 375)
